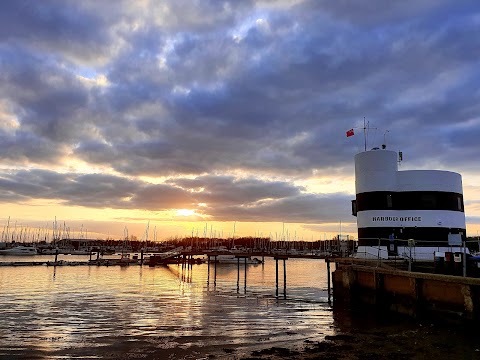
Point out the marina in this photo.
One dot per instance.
(261, 299)
(174, 312)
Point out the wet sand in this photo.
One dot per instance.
(357, 339)
(376, 338)
(400, 346)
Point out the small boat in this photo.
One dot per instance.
(125, 260)
(48, 251)
(19, 250)
(107, 252)
(232, 259)
(80, 252)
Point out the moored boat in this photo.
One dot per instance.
(233, 259)
(20, 250)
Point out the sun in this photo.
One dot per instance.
(185, 212)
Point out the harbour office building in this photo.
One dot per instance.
(392, 205)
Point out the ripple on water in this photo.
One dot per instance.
(106, 312)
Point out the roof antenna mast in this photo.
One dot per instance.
(365, 133)
(384, 145)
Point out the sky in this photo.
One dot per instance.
(227, 118)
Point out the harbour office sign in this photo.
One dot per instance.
(397, 218)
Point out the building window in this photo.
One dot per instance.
(429, 201)
(389, 201)
(354, 207)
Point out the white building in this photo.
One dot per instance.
(392, 205)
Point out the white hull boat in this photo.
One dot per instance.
(20, 251)
(232, 259)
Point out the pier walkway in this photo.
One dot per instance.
(177, 255)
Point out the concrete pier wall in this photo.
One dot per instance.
(416, 294)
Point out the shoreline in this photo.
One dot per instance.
(381, 336)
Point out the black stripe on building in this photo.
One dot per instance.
(409, 200)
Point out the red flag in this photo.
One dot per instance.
(350, 133)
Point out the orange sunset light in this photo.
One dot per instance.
(185, 212)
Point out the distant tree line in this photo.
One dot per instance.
(205, 243)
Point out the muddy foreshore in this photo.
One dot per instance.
(409, 344)
(381, 336)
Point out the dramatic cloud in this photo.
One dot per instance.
(218, 197)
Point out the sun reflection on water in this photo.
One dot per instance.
(67, 311)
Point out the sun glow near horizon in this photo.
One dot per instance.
(185, 212)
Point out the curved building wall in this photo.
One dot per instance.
(419, 204)
(429, 180)
(376, 170)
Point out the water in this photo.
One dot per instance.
(175, 312)
(162, 312)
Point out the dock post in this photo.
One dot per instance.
(141, 257)
(208, 269)
(276, 276)
(328, 278)
(245, 283)
(56, 255)
(284, 278)
(238, 274)
(90, 255)
(215, 272)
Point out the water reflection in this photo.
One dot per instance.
(57, 312)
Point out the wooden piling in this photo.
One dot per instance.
(208, 269)
(215, 272)
(276, 276)
(245, 283)
(238, 274)
(328, 278)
